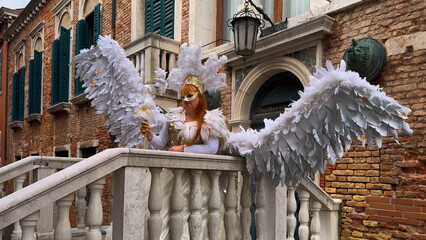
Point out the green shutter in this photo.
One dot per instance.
(97, 23)
(15, 97)
(168, 19)
(159, 17)
(31, 89)
(38, 65)
(64, 60)
(82, 42)
(21, 92)
(55, 71)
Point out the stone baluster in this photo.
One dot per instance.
(304, 215)
(231, 207)
(214, 205)
(176, 206)
(163, 63)
(315, 222)
(28, 225)
(195, 205)
(19, 183)
(138, 63)
(63, 226)
(133, 59)
(291, 209)
(142, 64)
(245, 217)
(81, 206)
(154, 205)
(108, 235)
(260, 215)
(172, 62)
(94, 211)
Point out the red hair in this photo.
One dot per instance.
(200, 109)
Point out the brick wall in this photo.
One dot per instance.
(185, 22)
(383, 191)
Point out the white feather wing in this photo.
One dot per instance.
(337, 108)
(116, 90)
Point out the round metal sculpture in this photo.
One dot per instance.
(365, 56)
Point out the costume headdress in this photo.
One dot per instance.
(190, 70)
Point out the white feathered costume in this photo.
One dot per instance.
(338, 107)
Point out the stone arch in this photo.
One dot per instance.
(38, 43)
(87, 7)
(256, 78)
(64, 21)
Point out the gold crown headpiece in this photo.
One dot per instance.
(196, 81)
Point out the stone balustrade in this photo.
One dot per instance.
(150, 52)
(128, 167)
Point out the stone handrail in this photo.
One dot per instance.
(39, 194)
(30, 163)
(23, 207)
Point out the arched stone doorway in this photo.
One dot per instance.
(273, 97)
(258, 76)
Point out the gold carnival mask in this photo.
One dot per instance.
(189, 97)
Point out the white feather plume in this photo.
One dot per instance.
(190, 63)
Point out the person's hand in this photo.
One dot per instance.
(178, 148)
(146, 131)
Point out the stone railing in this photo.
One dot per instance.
(151, 52)
(26, 207)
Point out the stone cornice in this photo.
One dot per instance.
(8, 14)
(26, 16)
(286, 41)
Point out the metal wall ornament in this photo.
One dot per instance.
(365, 56)
(245, 24)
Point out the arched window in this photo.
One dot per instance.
(273, 97)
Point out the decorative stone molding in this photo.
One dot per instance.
(80, 99)
(37, 33)
(16, 124)
(62, 106)
(240, 112)
(63, 7)
(35, 117)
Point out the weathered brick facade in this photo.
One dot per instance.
(383, 191)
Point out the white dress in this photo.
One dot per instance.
(213, 136)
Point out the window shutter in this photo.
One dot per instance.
(21, 92)
(97, 23)
(168, 22)
(82, 42)
(64, 60)
(15, 97)
(31, 89)
(55, 71)
(38, 65)
(159, 17)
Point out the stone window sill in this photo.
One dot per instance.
(80, 99)
(17, 124)
(35, 117)
(60, 107)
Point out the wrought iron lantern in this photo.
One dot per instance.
(245, 24)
